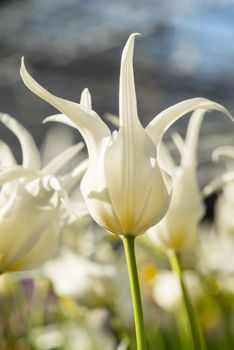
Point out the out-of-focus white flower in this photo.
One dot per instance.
(167, 291)
(224, 206)
(123, 186)
(91, 283)
(224, 211)
(178, 229)
(30, 203)
(87, 333)
(215, 258)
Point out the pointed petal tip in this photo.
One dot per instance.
(78, 147)
(86, 90)
(4, 117)
(129, 46)
(131, 40)
(22, 66)
(133, 35)
(27, 79)
(52, 118)
(222, 152)
(85, 99)
(46, 120)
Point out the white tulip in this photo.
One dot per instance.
(29, 203)
(178, 229)
(123, 186)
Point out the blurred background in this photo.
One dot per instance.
(186, 50)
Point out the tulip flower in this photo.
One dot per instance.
(30, 203)
(178, 229)
(123, 186)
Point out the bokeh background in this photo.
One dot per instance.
(186, 50)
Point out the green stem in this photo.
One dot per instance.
(177, 268)
(129, 248)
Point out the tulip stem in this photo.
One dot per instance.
(129, 248)
(175, 262)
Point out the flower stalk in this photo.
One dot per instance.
(128, 242)
(175, 262)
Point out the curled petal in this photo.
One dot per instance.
(225, 151)
(31, 156)
(90, 125)
(61, 118)
(217, 184)
(159, 125)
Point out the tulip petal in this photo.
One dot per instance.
(75, 176)
(191, 140)
(31, 156)
(128, 116)
(41, 244)
(28, 232)
(130, 168)
(61, 118)
(58, 162)
(15, 173)
(224, 151)
(42, 249)
(85, 99)
(159, 125)
(89, 124)
(165, 159)
(94, 190)
(178, 141)
(218, 183)
(178, 229)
